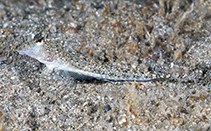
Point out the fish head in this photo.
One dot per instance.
(39, 49)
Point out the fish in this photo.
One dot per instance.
(75, 64)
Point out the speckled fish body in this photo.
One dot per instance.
(75, 64)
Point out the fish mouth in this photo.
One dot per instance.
(30, 48)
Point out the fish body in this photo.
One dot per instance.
(74, 64)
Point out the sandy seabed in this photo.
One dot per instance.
(168, 38)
